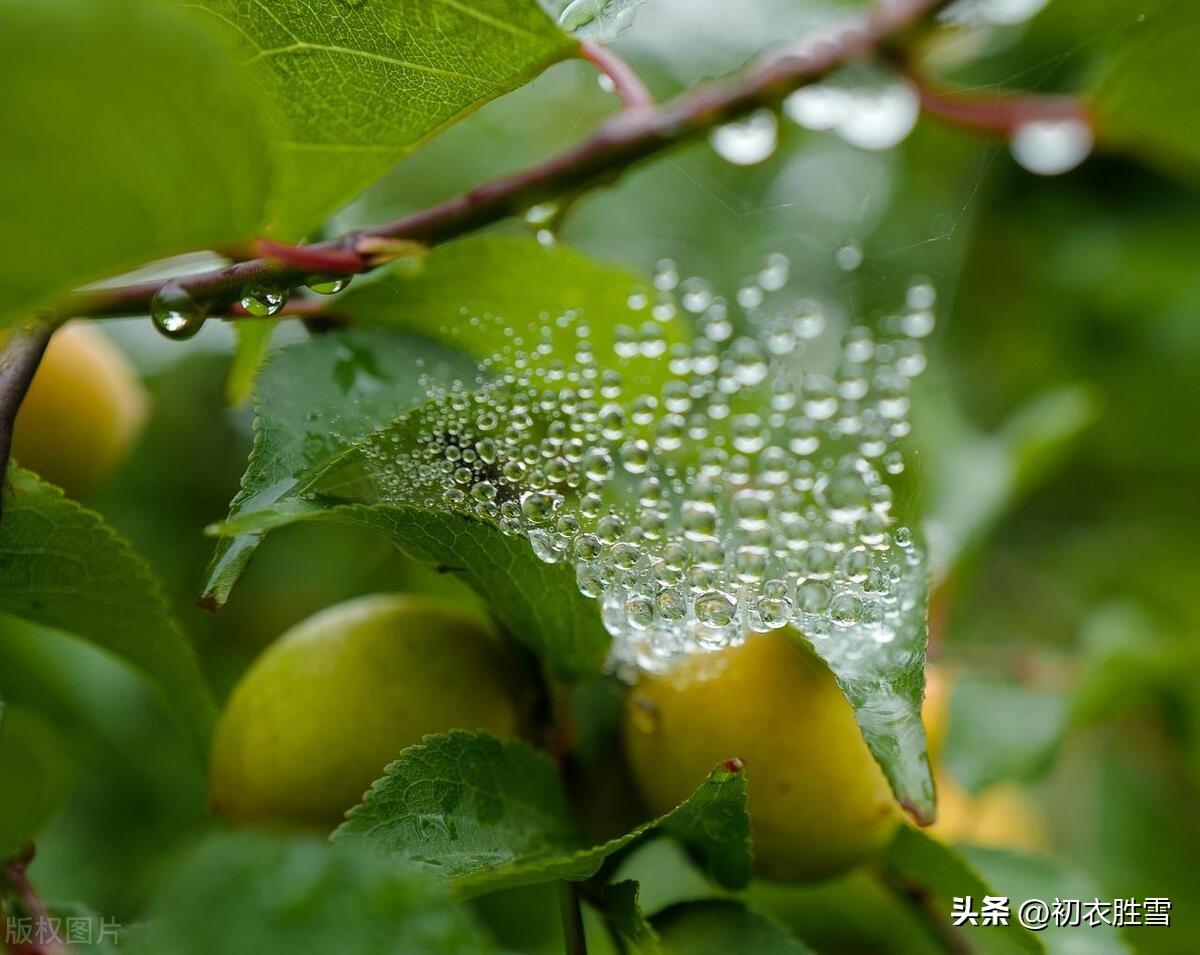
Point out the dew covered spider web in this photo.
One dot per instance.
(701, 489)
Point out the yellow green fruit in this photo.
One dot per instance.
(818, 802)
(83, 412)
(334, 700)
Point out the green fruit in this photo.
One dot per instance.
(83, 412)
(335, 699)
(818, 802)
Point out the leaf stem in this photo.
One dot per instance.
(618, 144)
(1002, 113)
(18, 363)
(574, 937)
(625, 81)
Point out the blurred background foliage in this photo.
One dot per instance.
(1056, 465)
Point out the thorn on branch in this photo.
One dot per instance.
(18, 364)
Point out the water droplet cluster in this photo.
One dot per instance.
(700, 488)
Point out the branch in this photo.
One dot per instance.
(574, 937)
(14, 881)
(18, 363)
(625, 81)
(624, 140)
(1002, 113)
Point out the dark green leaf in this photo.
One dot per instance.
(1148, 101)
(129, 135)
(491, 815)
(257, 894)
(1001, 731)
(1021, 877)
(935, 874)
(357, 85)
(313, 401)
(619, 904)
(34, 776)
(717, 927)
(62, 566)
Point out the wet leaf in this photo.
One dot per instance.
(491, 815)
(598, 20)
(313, 400)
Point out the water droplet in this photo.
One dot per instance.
(329, 286)
(849, 257)
(175, 313)
(747, 141)
(1051, 147)
(263, 301)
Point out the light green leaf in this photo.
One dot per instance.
(357, 85)
(62, 566)
(720, 926)
(1001, 731)
(598, 20)
(314, 400)
(934, 875)
(129, 135)
(253, 340)
(492, 296)
(34, 776)
(1021, 877)
(490, 815)
(306, 897)
(1148, 101)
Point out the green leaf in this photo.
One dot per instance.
(357, 85)
(885, 684)
(1021, 877)
(492, 295)
(934, 874)
(598, 20)
(622, 910)
(1148, 101)
(1001, 731)
(313, 400)
(243, 894)
(253, 340)
(129, 135)
(490, 815)
(717, 927)
(34, 776)
(537, 603)
(62, 566)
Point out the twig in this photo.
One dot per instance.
(1003, 114)
(619, 143)
(625, 81)
(574, 936)
(14, 881)
(18, 364)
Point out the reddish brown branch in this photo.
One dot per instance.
(44, 938)
(18, 364)
(1003, 113)
(616, 145)
(625, 81)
